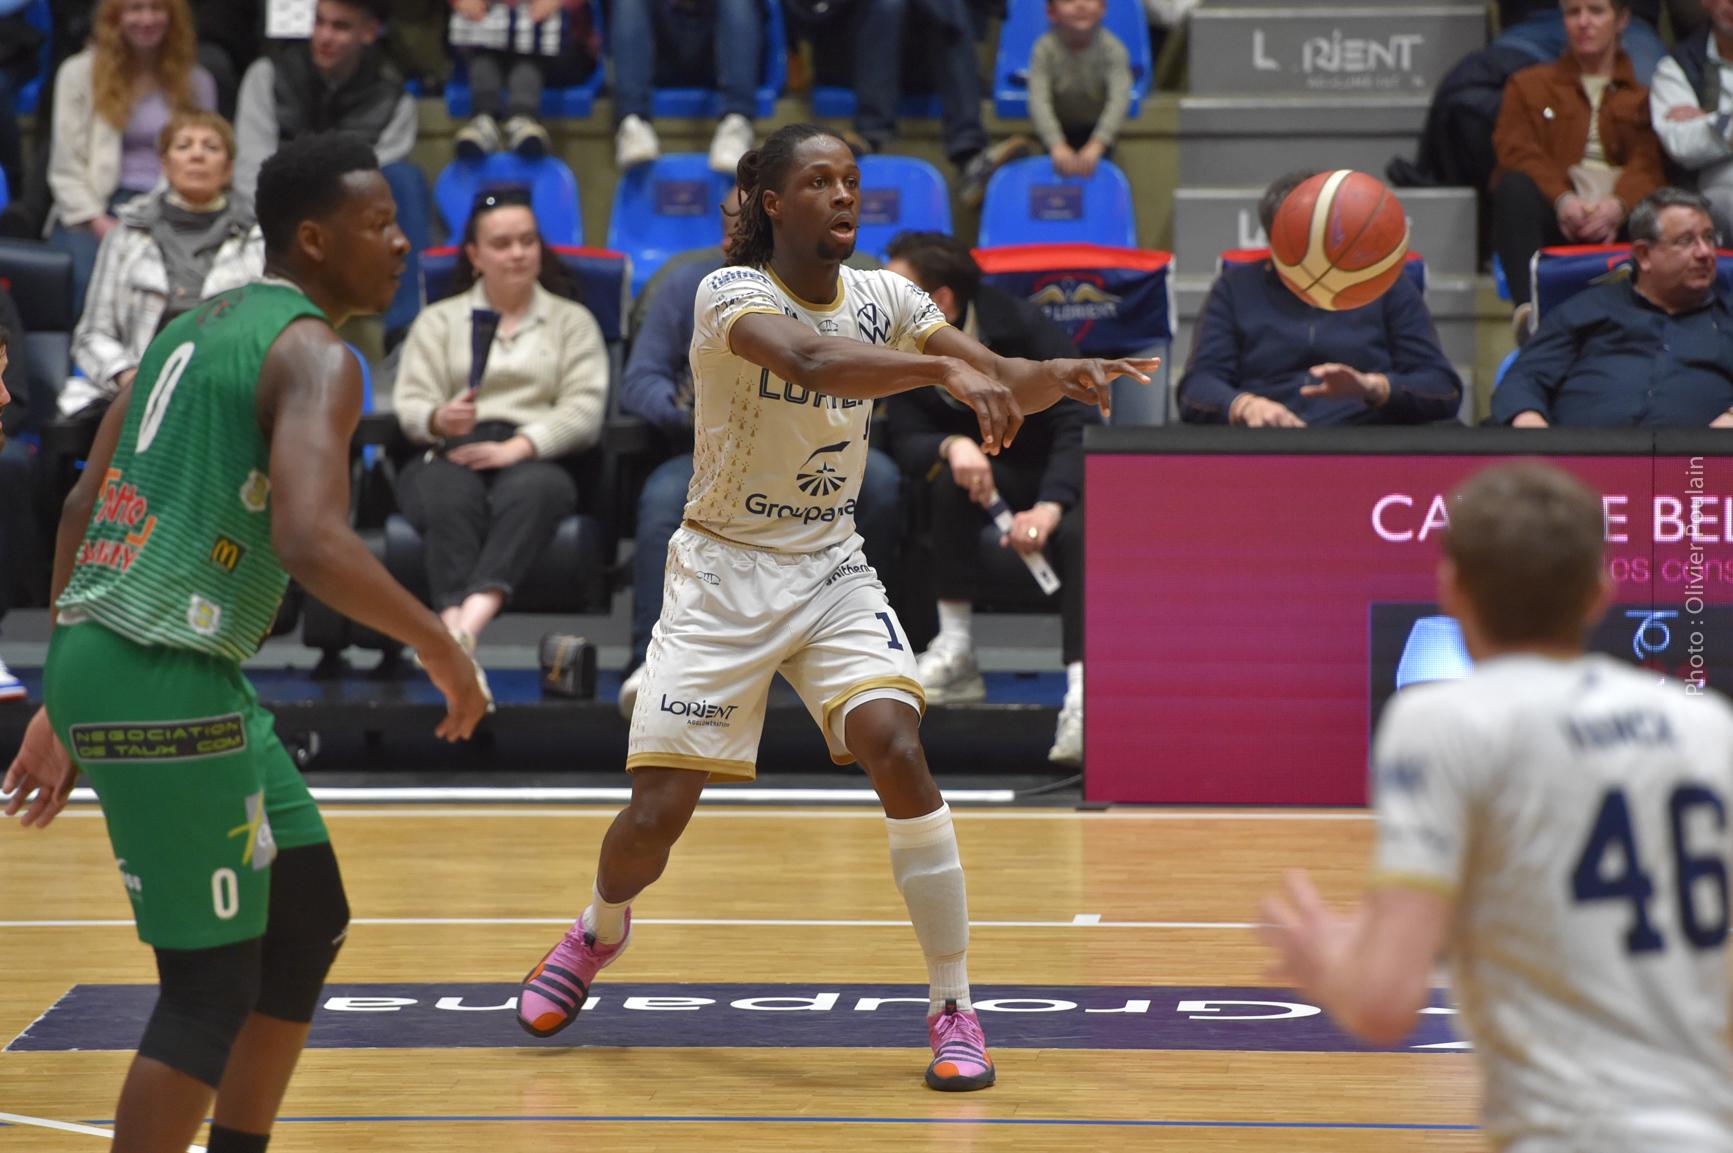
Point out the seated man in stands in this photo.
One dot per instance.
(1041, 475)
(658, 388)
(1691, 105)
(1262, 357)
(1654, 350)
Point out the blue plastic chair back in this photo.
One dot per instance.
(37, 15)
(5, 192)
(1025, 24)
(1029, 203)
(553, 193)
(706, 103)
(897, 194)
(669, 205)
(574, 102)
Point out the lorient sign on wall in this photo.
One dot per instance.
(1249, 615)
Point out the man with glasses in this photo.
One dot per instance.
(1651, 350)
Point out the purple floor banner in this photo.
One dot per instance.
(460, 1015)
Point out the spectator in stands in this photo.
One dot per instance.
(658, 388)
(1575, 146)
(110, 104)
(1262, 357)
(1537, 27)
(513, 49)
(228, 32)
(1654, 350)
(492, 488)
(870, 47)
(20, 541)
(685, 43)
(1691, 106)
(339, 80)
(1041, 475)
(1079, 86)
(169, 250)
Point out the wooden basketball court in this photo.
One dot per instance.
(789, 899)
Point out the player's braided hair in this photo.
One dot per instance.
(765, 169)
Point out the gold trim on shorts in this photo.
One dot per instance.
(907, 684)
(1399, 880)
(718, 767)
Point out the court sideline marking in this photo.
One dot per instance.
(69, 1127)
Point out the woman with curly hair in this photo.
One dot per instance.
(111, 102)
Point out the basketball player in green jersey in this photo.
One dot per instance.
(224, 472)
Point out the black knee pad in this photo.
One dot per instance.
(205, 998)
(309, 917)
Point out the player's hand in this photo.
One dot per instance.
(1311, 941)
(1573, 215)
(463, 685)
(971, 470)
(1684, 113)
(456, 418)
(1345, 382)
(1531, 419)
(40, 780)
(1253, 411)
(1089, 380)
(470, 9)
(1033, 528)
(1725, 420)
(483, 455)
(995, 408)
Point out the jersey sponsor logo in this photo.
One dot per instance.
(255, 491)
(191, 740)
(702, 714)
(821, 479)
(710, 578)
(1634, 727)
(873, 323)
(227, 554)
(114, 554)
(133, 883)
(119, 504)
(261, 846)
(204, 617)
(758, 504)
(734, 275)
(829, 327)
(848, 569)
(770, 388)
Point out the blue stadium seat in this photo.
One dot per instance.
(1029, 203)
(669, 205)
(553, 192)
(1026, 23)
(833, 101)
(1557, 274)
(898, 193)
(29, 94)
(706, 103)
(569, 103)
(5, 193)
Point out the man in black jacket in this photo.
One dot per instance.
(1041, 474)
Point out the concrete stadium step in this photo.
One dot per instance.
(1250, 140)
(1402, 49)
(1208, 221)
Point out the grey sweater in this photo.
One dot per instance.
(1078, 93)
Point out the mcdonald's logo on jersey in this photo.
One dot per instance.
(226, 554)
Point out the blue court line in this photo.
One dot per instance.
(1087, 1122)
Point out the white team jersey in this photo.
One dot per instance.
(777, 466)
(1577, 811)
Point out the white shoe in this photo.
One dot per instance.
(734, 136)
(629, 692)
(478, 139)
(635, 143)
(1068, 738)
(950, 675)
(11, 688)
(526, 137)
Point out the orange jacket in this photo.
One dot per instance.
(1543, 129)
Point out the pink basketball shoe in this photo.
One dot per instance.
(554, 992)
(960, 1061)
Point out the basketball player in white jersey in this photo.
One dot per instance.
(1557, 824)
(789, 351)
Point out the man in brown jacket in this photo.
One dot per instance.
(1575, 145)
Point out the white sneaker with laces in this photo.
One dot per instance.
(732, 140)
(950, 675)
(635, 143)
(11, 688)
(629, 692)
(1068, 737)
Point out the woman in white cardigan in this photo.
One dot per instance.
(490, 491)
(110, 104)
(167, 252)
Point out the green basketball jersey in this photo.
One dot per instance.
(178, 552)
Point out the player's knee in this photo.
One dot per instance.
(892, 751)
(204, 1001)
(309, 922)
(656, 823)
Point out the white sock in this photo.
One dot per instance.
(930, 875)
(955, 618)
(1074, 682)
(605, 919)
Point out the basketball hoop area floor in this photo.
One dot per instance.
(769, 999)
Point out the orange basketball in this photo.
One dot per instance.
(1340, 239)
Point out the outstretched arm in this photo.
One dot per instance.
(1040, 384)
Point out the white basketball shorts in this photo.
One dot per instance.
(734, 617)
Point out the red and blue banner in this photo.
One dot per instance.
(1112, 301)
